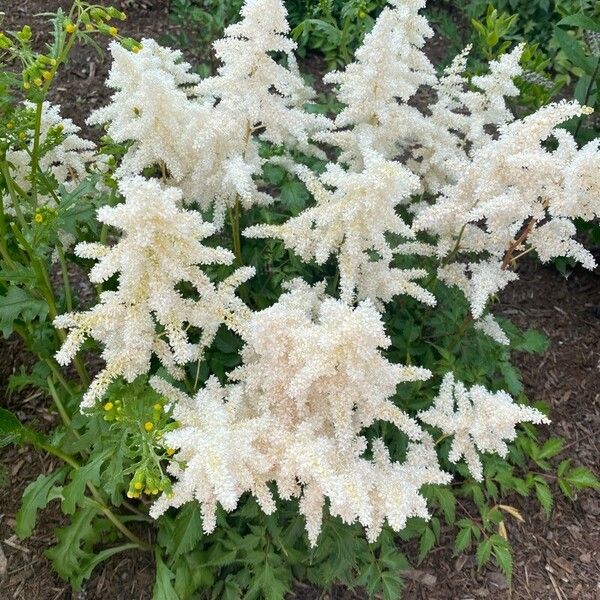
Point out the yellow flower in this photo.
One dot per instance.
(170, 451)
(10, 125)
(138, 485)
(148, 426)
(89, 27)
(47, 75)
(38, 81)
(108, 406)
(70, 28)
(22, 136)
(157, 406)
(113, 31)
(39, 217)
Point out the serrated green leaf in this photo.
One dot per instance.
(533, 341)
(37, 495)
(391, 585)
(484, 551)
(74, 491)
(463, 540)
(582, 477)
(426, 544)
(163, 588)
(74, 545)
(186, 533)
(551, 447)
(504, 559)
(447, 503)
(294, 196)
(544, 495)
(16, 304)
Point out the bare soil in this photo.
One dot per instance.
(556, 558)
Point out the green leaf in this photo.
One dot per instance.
(163, 589)
(504, 558)
(294, 195)
(37, 495)
(551, 447)
(391, 584)
(512, 378)
(186, 533)
(9, 425)
(91, 561)
(544, 495)
(74, 545)
(533, 341)
(463, 540)
(484, 551)
(581, 20)
(426, 544)
(447, 503)
(574, 51)
(582, 477)
(19, 304)
(74, 492)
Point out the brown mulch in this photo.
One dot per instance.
(556, 558)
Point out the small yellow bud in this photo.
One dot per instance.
(136, 49)
(108, 406)
(39, 217)
(70, 28)
(148, 426)
(10, 125)
(170, 451)
(154, 491)
(362, 14)
(22, 136)
(130, 495)
(89, 27)
(26, 85)
(113, 31)
(47, 75)
(157, 406)
(38, 81)
(138, 485)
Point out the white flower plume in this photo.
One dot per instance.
(312, 379)
(160, 248)
(478, 420)
(220, 450)
(516, 195)
(252, 85)
(353, 214)
(66, 161)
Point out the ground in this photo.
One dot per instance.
(556, 558)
